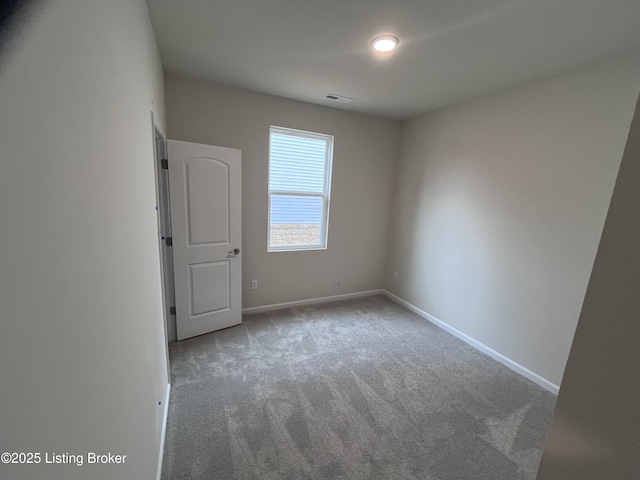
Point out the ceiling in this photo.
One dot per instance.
(450, 51)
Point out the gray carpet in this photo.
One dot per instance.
(359, 389)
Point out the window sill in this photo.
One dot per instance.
(305, 248)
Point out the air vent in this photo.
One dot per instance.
(337, 98)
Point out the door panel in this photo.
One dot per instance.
(208, 286)
(208, 190)
(205, 183)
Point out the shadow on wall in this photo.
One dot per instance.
(449, 237)
(14, 16)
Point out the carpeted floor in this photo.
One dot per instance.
(359, 389)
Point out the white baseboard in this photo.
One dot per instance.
(310, 301)
(164, 431)
(516, 367)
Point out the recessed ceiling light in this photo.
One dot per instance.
(385, 43)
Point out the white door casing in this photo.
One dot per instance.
(205, 188)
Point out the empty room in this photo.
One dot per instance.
(289, 239)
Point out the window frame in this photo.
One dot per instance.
(326, 195)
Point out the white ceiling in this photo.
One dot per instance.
(450, 51)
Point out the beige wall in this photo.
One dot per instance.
(595, 433)
(363, 169)
(500, 205)
(82, 355)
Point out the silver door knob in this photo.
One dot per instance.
(235, 251)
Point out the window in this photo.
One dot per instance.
(299, 184)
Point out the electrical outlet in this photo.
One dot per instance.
(254, 284)
(395, 275)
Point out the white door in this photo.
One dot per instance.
(205, 187)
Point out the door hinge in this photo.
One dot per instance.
(164, 163)
(168, 241)
(172, 310)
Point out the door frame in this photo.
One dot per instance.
(164, 225)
